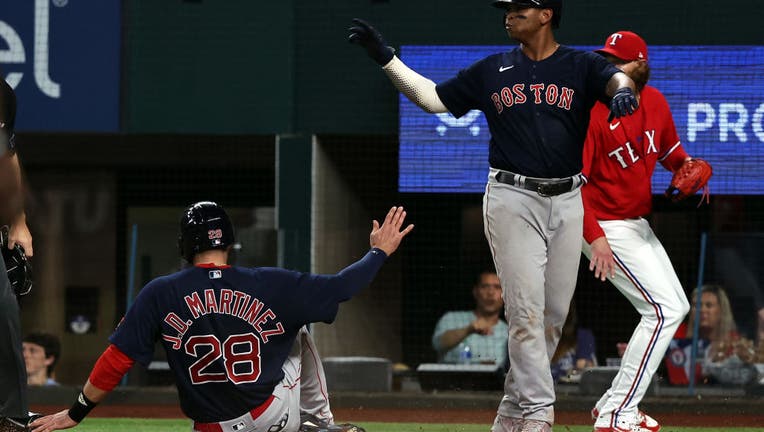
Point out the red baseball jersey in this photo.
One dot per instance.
(620, 157)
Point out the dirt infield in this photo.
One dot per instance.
(401, 415)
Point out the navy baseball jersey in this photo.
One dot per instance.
(537, 111)
(228, 330)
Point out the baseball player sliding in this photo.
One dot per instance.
(235, 337)
(536, 99)
(619, 159)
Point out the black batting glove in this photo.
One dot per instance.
(624, 102)
(362, 33)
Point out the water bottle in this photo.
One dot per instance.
(465, 355)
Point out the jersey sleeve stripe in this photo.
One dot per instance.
(665, 155)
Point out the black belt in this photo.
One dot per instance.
(545, 188)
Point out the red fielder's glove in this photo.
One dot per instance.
(692, 176)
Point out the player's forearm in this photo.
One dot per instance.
(358, 275)
(592, 229)
(106, 374)
(415, 87)
(674, 158)
(110, 368)
(618, 81)
(88, 398)
(93, 393)
(453, 337)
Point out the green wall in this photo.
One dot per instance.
(240, 66)
(213, 66)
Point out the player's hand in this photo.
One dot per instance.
(362, 33)
(19, 234)
(388, 236)
(621, 348)
(481, 327)
(624, 102)
(602, 262)
(59, 420)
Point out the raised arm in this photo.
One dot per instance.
(417, 88)
(622, 90)
(384, 240)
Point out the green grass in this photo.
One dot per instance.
(181, 425)
(424, 427)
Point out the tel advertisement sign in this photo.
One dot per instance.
(63, 59)
(716, 94)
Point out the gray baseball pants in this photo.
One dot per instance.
(536, 246)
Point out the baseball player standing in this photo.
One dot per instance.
(14, 414)
(233, 335)
(619, 160)
(536, 99)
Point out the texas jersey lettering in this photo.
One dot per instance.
(625, 156)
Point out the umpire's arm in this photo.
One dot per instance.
(11, 189)
(12, 202)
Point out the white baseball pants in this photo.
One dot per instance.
(646, 277)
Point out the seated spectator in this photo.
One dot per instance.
(717, 323)
(576, 350)
(474, 336)
(41, 353)
(723, 355)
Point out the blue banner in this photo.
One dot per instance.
(716, 94)
(63, 59)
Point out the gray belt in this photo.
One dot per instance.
(543, 187)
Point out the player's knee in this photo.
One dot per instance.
(685, 307)
(675, 315)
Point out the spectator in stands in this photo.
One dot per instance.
(737, 264)
(576, 350)
(716, 319)
(720, 348)
(41, 353)
(478, 335)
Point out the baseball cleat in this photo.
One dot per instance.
(635, 428)
(309, 423)
(647, 423)
(644, 421)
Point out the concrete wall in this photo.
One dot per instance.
(370, 323)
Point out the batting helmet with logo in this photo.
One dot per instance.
(555, 5)
(204, 226)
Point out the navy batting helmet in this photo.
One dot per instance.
(555, 5)
(204, 226)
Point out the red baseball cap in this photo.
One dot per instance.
(625, 45)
